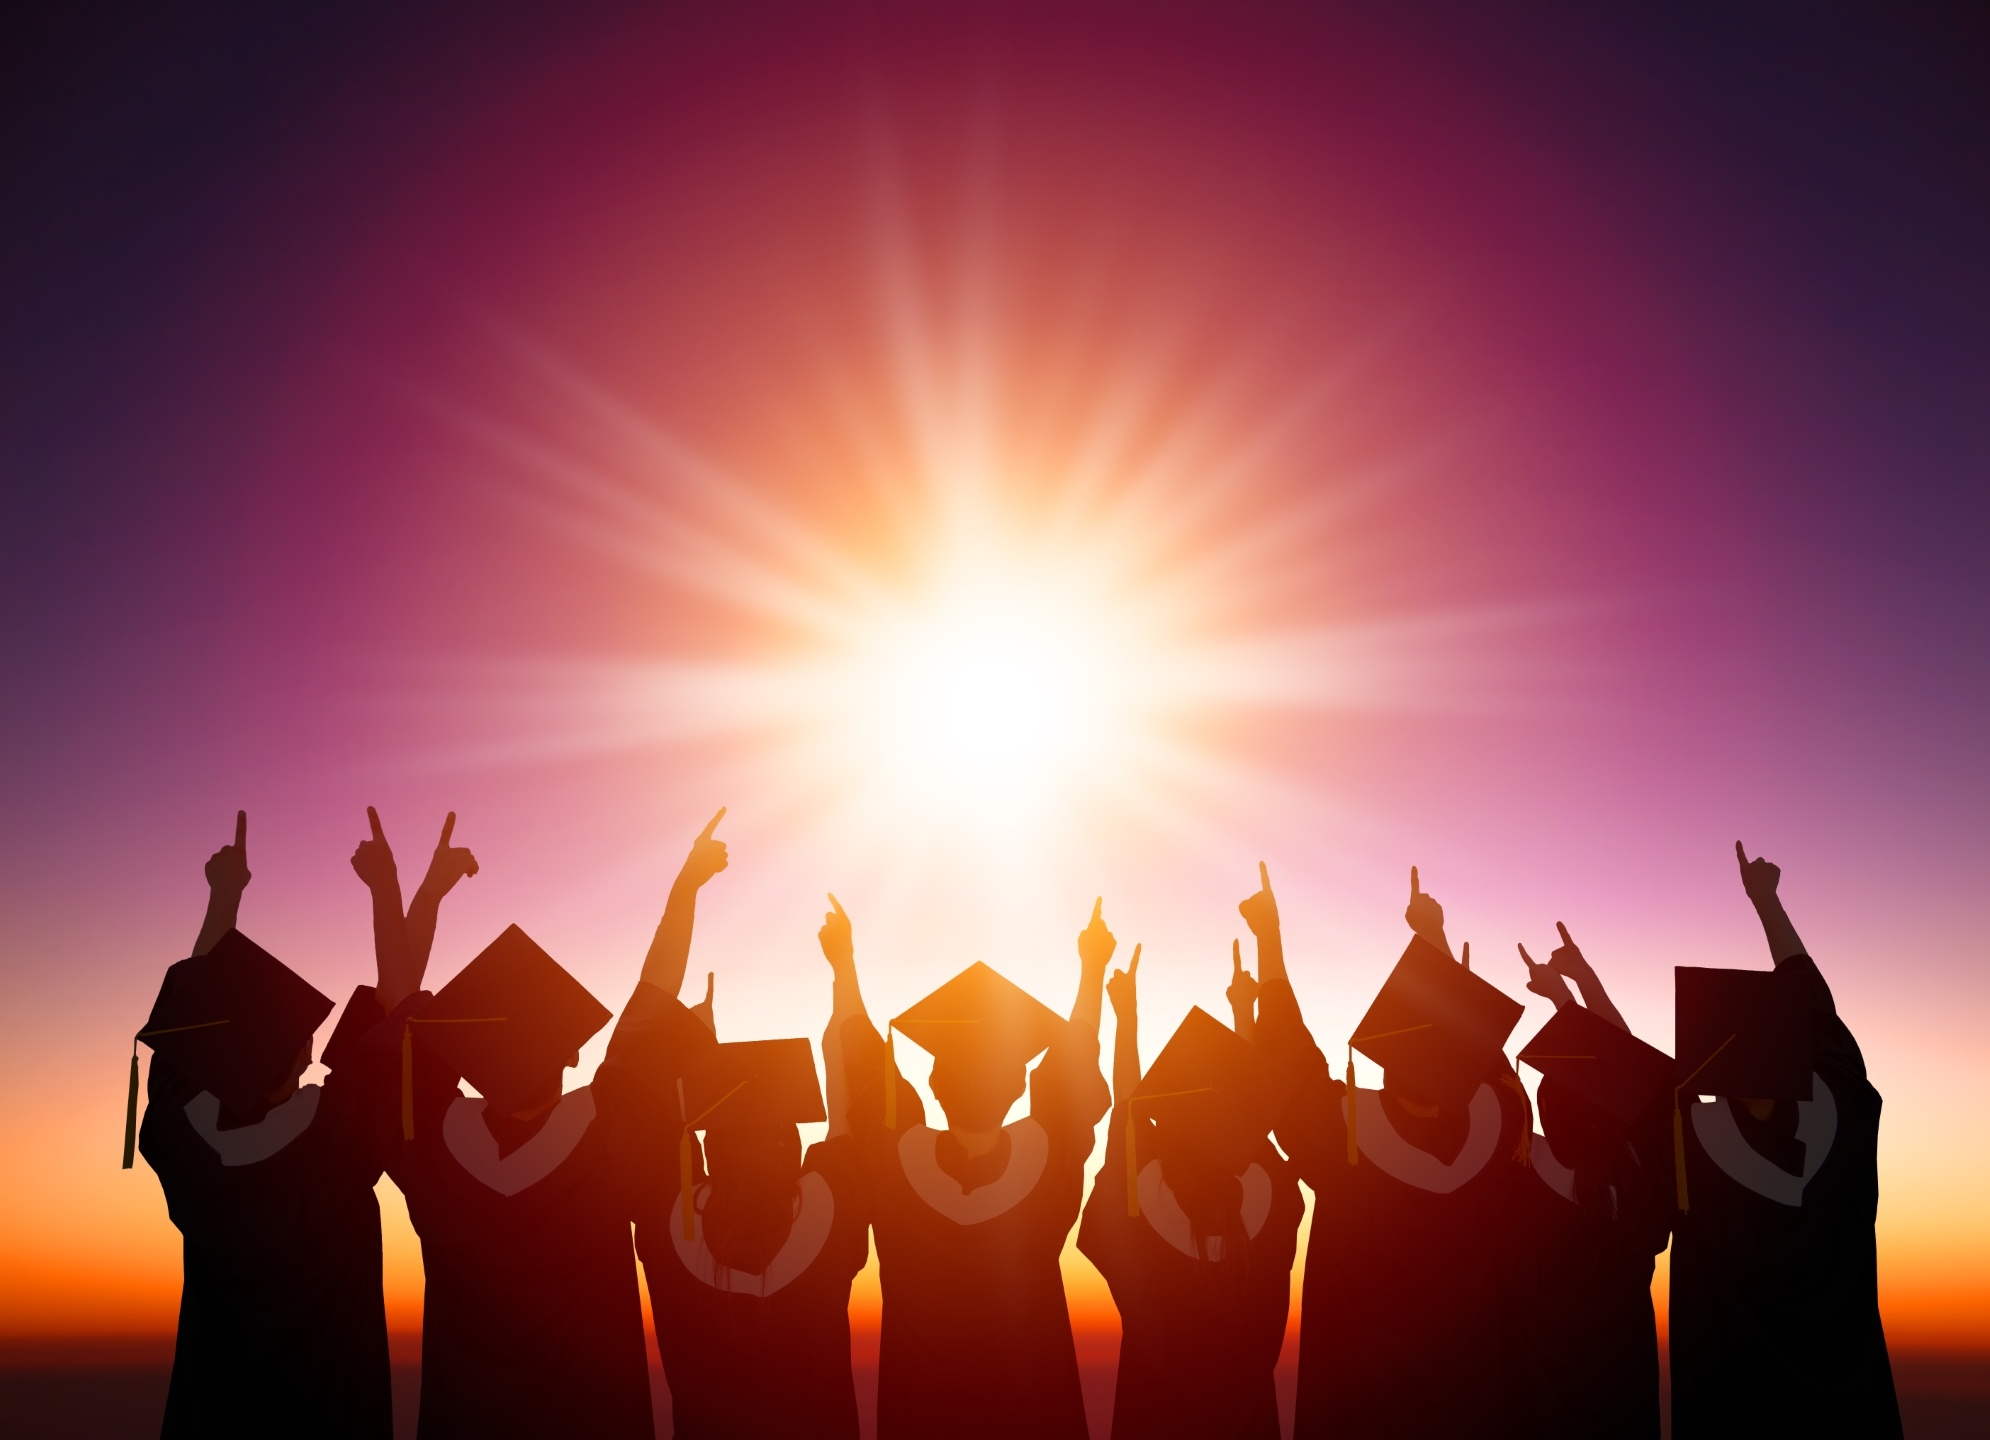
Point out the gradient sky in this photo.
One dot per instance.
(1542, 449)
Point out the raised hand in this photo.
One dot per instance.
(228, 867)
(1096, 943)
(1546, 981)
(707, 857)
(1759, 877)
(1122, 988)
(838, 946)
(1567, 959)
(703, 1009)
(449, 863)
(1260, 910)
(1243, 991)
(1425, 915)
(373, 861)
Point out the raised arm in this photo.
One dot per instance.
(846, 1003)
(1546, 981)
(1568, 960)
(1122, 990)
(670, 950)
(1242, 995)
(227, 878)
(1260, 912)
(1760, 878)
(1425, 915)
(1095, 947)
(396, 974)
(449, 864)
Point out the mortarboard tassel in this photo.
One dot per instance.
(1679, 1122)
(1132, 1165)
(684, 1159)
(1353, 1142)
(1679, 1150)
(890, 1082)
(131, 1109)
(407, 1082)
(131, 1089)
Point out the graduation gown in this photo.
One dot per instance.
(1775, 1325)
(1201, 1324)
(763, 1356)
(1580, 1292)
(976, 1337)
(531, 1321)
(1401, 1328)
(282, 1331)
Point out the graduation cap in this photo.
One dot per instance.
(510, 1015)
(231, 1021)
(1607, 1066)
(977, 1013)
(1741, 1033)
(746, 1082)
(1210, 1089)
(361, 1014)
(1435, 1024)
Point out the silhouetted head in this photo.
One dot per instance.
(751, 1202)
(1210, 1196)
(976, 1086)
(1578, 1132)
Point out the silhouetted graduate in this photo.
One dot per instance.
(970, 1220)
(1195, 1233)
(282, 1330)
(750, 1262)
(524, 1196)
(1418, 1191)
(1775, 1325)
(1581, 1311)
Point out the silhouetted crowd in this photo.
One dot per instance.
(1470, 1271)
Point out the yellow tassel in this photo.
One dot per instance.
(684, 1166)
(407, 1082)
(131, 1110)
(1679, 1150)
(1132, 1167)
(890, 1082)
(1353, 1141)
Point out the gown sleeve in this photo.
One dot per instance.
(1311, 1129)
(864, 1075)
(1832, 1041)
(1068, 1094)
(1105, 1232)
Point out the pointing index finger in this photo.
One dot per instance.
(448, 829)
(373, 819)
(837, 906)
(1097, 906)
(1236, 958)
(709, 977)
(1414, 891)
(1525, 958)
(1565, 934)
(1264, 877)
(1134, 964)
(706, 834)
(1740, 854)
(242, 830)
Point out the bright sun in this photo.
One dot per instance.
(992, 698)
